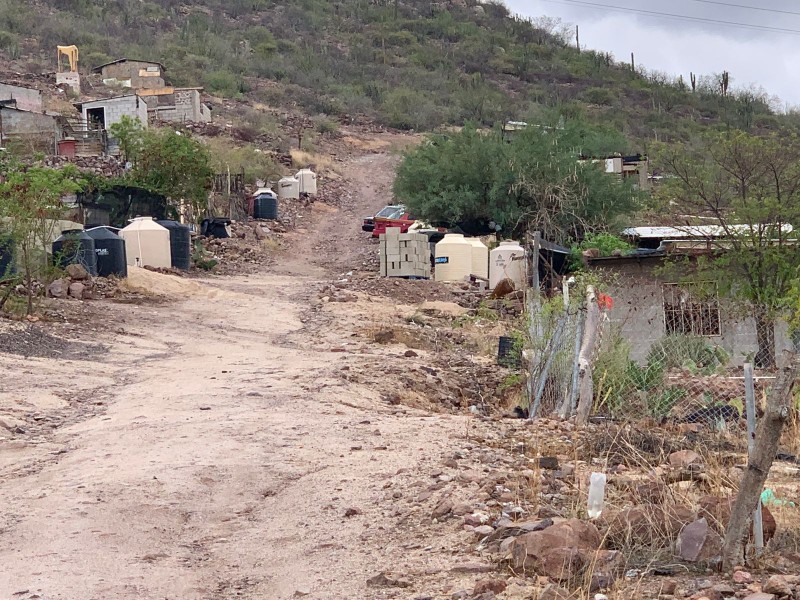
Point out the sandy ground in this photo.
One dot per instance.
(207, 447)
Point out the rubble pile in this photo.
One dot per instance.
(250, 247)
(107, 166)
(78, 284)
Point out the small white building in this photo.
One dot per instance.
(104, 113)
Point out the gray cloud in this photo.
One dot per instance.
(767, 59)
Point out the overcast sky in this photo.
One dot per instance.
(769, 59)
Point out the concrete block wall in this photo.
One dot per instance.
(404, 254)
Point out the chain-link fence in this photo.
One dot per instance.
(627, 373)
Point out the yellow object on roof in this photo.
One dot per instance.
(71, 52)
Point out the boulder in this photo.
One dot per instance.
(778, 585)
(442, 509)
(684, 459)
(58, 288)
(698, 542)
(78, 272)
(77, 290)
(503, 289)
(559, 552)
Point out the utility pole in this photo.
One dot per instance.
(577, 39)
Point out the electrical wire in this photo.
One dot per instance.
(777, 11)
(654, 13)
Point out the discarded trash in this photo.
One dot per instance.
(597, 491)
(768, 498)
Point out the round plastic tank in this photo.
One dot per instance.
(480, 258)
(289, 188)
(266, 206)
(6, 256)
(507, 261)
(453, 258)
(75, 246)
(308, 181)
(110, 251)
(180, 244)
(147, 244)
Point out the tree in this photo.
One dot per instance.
(532, 180)
(750, 187)
(30, 202)
(170, 163)
(128, 133)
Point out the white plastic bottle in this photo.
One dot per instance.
(597, 492)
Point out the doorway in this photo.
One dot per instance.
(96, 117)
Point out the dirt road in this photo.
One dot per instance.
(209, 447)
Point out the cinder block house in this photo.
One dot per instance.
(136, 74)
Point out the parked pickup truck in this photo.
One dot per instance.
(387, 212)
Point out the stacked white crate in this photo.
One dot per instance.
(405, 254)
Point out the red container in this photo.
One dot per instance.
(67, 148)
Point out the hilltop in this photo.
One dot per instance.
(406, 64)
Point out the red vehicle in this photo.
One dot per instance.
(402, 220)
(387, 212)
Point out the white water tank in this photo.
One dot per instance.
(289, 188)
(507, 261)
(308, 181)
(147, 243)
(453, 258)
(480, 258)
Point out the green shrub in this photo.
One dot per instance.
(693, 352)
(598, 95)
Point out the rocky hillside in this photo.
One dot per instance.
(409, 64)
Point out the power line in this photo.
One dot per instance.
(654, 13)
(745, 6)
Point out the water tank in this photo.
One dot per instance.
(180, 244)
(289, 188)
(6, 256)
(507, 261)
(110, 251)
(480, 258)
(75, 246)
(266, 206)
(147, 243)
(453, 258)
(308, 181)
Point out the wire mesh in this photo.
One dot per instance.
(691, 374)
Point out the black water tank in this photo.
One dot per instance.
(110, 251)
(180, 243)
(6, 256)
(75, 246)
(266, 207)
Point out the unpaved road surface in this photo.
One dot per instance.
(208, 447)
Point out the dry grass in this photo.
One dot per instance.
(320, 163)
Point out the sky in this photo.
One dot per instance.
(766, 58)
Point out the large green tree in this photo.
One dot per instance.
(167, 161)
(531, 179)
(749, 187)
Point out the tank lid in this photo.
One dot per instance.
(509, 243)
(454, 236)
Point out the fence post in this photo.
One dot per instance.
(534, 315)
(750, 405)
(586, 356)
(568, 408)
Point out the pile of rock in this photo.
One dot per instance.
(77, 284)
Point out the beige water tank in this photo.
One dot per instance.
(288, 188)
(147, 243)
(453, 258)
(507, 261)
(308, 181)
(480, 258)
